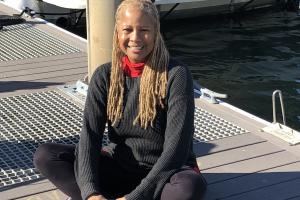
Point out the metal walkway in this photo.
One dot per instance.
(26, 121)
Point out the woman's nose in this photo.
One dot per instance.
(135, 36)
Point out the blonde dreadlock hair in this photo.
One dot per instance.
(154, 77)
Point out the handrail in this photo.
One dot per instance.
(274, 106)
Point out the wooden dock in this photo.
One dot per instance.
(249, 166)
(21, 76)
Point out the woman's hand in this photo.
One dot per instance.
(97, 197)
(100, 197)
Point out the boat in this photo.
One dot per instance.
(175, 9)
(170, 9)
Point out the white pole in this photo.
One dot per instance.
(100, 24)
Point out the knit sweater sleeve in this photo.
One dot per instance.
(89, 146)
(178, 137)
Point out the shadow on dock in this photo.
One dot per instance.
(11, 86)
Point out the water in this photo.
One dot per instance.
(247, 62)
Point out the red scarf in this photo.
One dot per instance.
(132, 69)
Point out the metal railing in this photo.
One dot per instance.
(274, 106)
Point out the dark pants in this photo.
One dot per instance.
(56, 162)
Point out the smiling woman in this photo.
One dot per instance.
(152, 54)
(147, 100)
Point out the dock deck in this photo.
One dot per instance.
(50, 57)
(244, 163)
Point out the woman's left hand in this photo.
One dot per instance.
(121, 198)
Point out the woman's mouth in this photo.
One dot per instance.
(136, 48)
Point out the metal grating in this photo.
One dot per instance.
(24, 41)
(211, 127)
(27, 121)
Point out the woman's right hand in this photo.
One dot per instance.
(96, 197)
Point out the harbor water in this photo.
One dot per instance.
(247, 57)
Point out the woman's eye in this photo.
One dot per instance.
(126, 30)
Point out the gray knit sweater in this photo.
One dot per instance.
(163, 148)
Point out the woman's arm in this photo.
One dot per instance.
(178, 136)
(90, 142)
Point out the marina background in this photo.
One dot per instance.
(246, 56)
(251, 55)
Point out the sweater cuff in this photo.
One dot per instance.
(139, 193)
(87, 190)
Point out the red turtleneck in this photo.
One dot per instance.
(132, 69)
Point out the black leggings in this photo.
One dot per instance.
(56, 162)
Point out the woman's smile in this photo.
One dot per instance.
(136, 48)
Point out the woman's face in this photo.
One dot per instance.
(135, 34)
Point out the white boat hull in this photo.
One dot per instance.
(209, 7)
(185, 9)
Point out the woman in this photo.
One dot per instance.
(147, 100)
